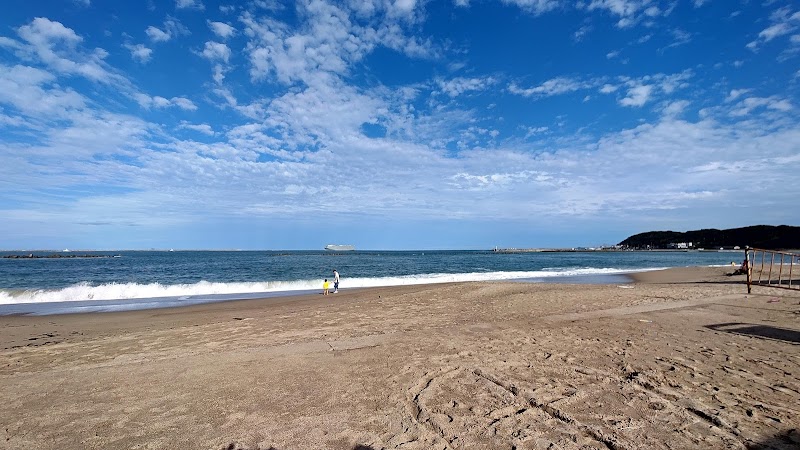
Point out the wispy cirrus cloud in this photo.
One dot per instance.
(784, 22)
(747, 105)
(553, 86)
(460, 85)
(639, 91)
(630, 12)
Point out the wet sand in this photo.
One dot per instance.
(682, 358)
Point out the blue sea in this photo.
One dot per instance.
(129, 280)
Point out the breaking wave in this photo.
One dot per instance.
(118, 291)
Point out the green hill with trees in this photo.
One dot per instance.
(759, 236)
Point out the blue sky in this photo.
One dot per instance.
(393, 124)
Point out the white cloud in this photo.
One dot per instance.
(640, 91)
(681, 37)
(534, 131)
(42, 32)
(581, 33)
(670, 83)
(329, 43)
(219, 73)
(223, 30)
(775, 103)
(457, 86)
(157, 35)
(554, 86)
(172, 28)
(189, 4)
(736, 93)
(58, 47)
(676, 108)
(608, 88)
(34, 93)
(779, 29)
(630, 12)
(184, 103)
(405, 7)
(637, 96)
(652, 11)
(10, 43)
(215, 51)
(139, 52)
(200, 128)
(147, 101)
(535, 7)
(784, 22)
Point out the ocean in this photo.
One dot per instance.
(128, 280)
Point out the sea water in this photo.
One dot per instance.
(129, 280)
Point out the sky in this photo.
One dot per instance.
(407, 124)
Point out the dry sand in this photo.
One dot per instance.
(679, 359)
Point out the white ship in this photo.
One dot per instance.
(339, 248)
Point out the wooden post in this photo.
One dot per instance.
(749, 270)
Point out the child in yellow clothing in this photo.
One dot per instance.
(325, 287)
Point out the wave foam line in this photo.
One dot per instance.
(116, 291)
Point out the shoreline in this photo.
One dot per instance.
(106, 306)
(185, 314)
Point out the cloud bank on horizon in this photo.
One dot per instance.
(394, 124)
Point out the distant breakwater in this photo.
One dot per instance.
(54, 256)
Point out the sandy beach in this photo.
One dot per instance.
(678, 359)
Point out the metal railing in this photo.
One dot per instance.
(770, 268)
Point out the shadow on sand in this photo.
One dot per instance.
(236, 446)
(788, 440)
(759, 331)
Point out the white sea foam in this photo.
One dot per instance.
(116, 291)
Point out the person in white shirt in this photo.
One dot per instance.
(335, 281)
